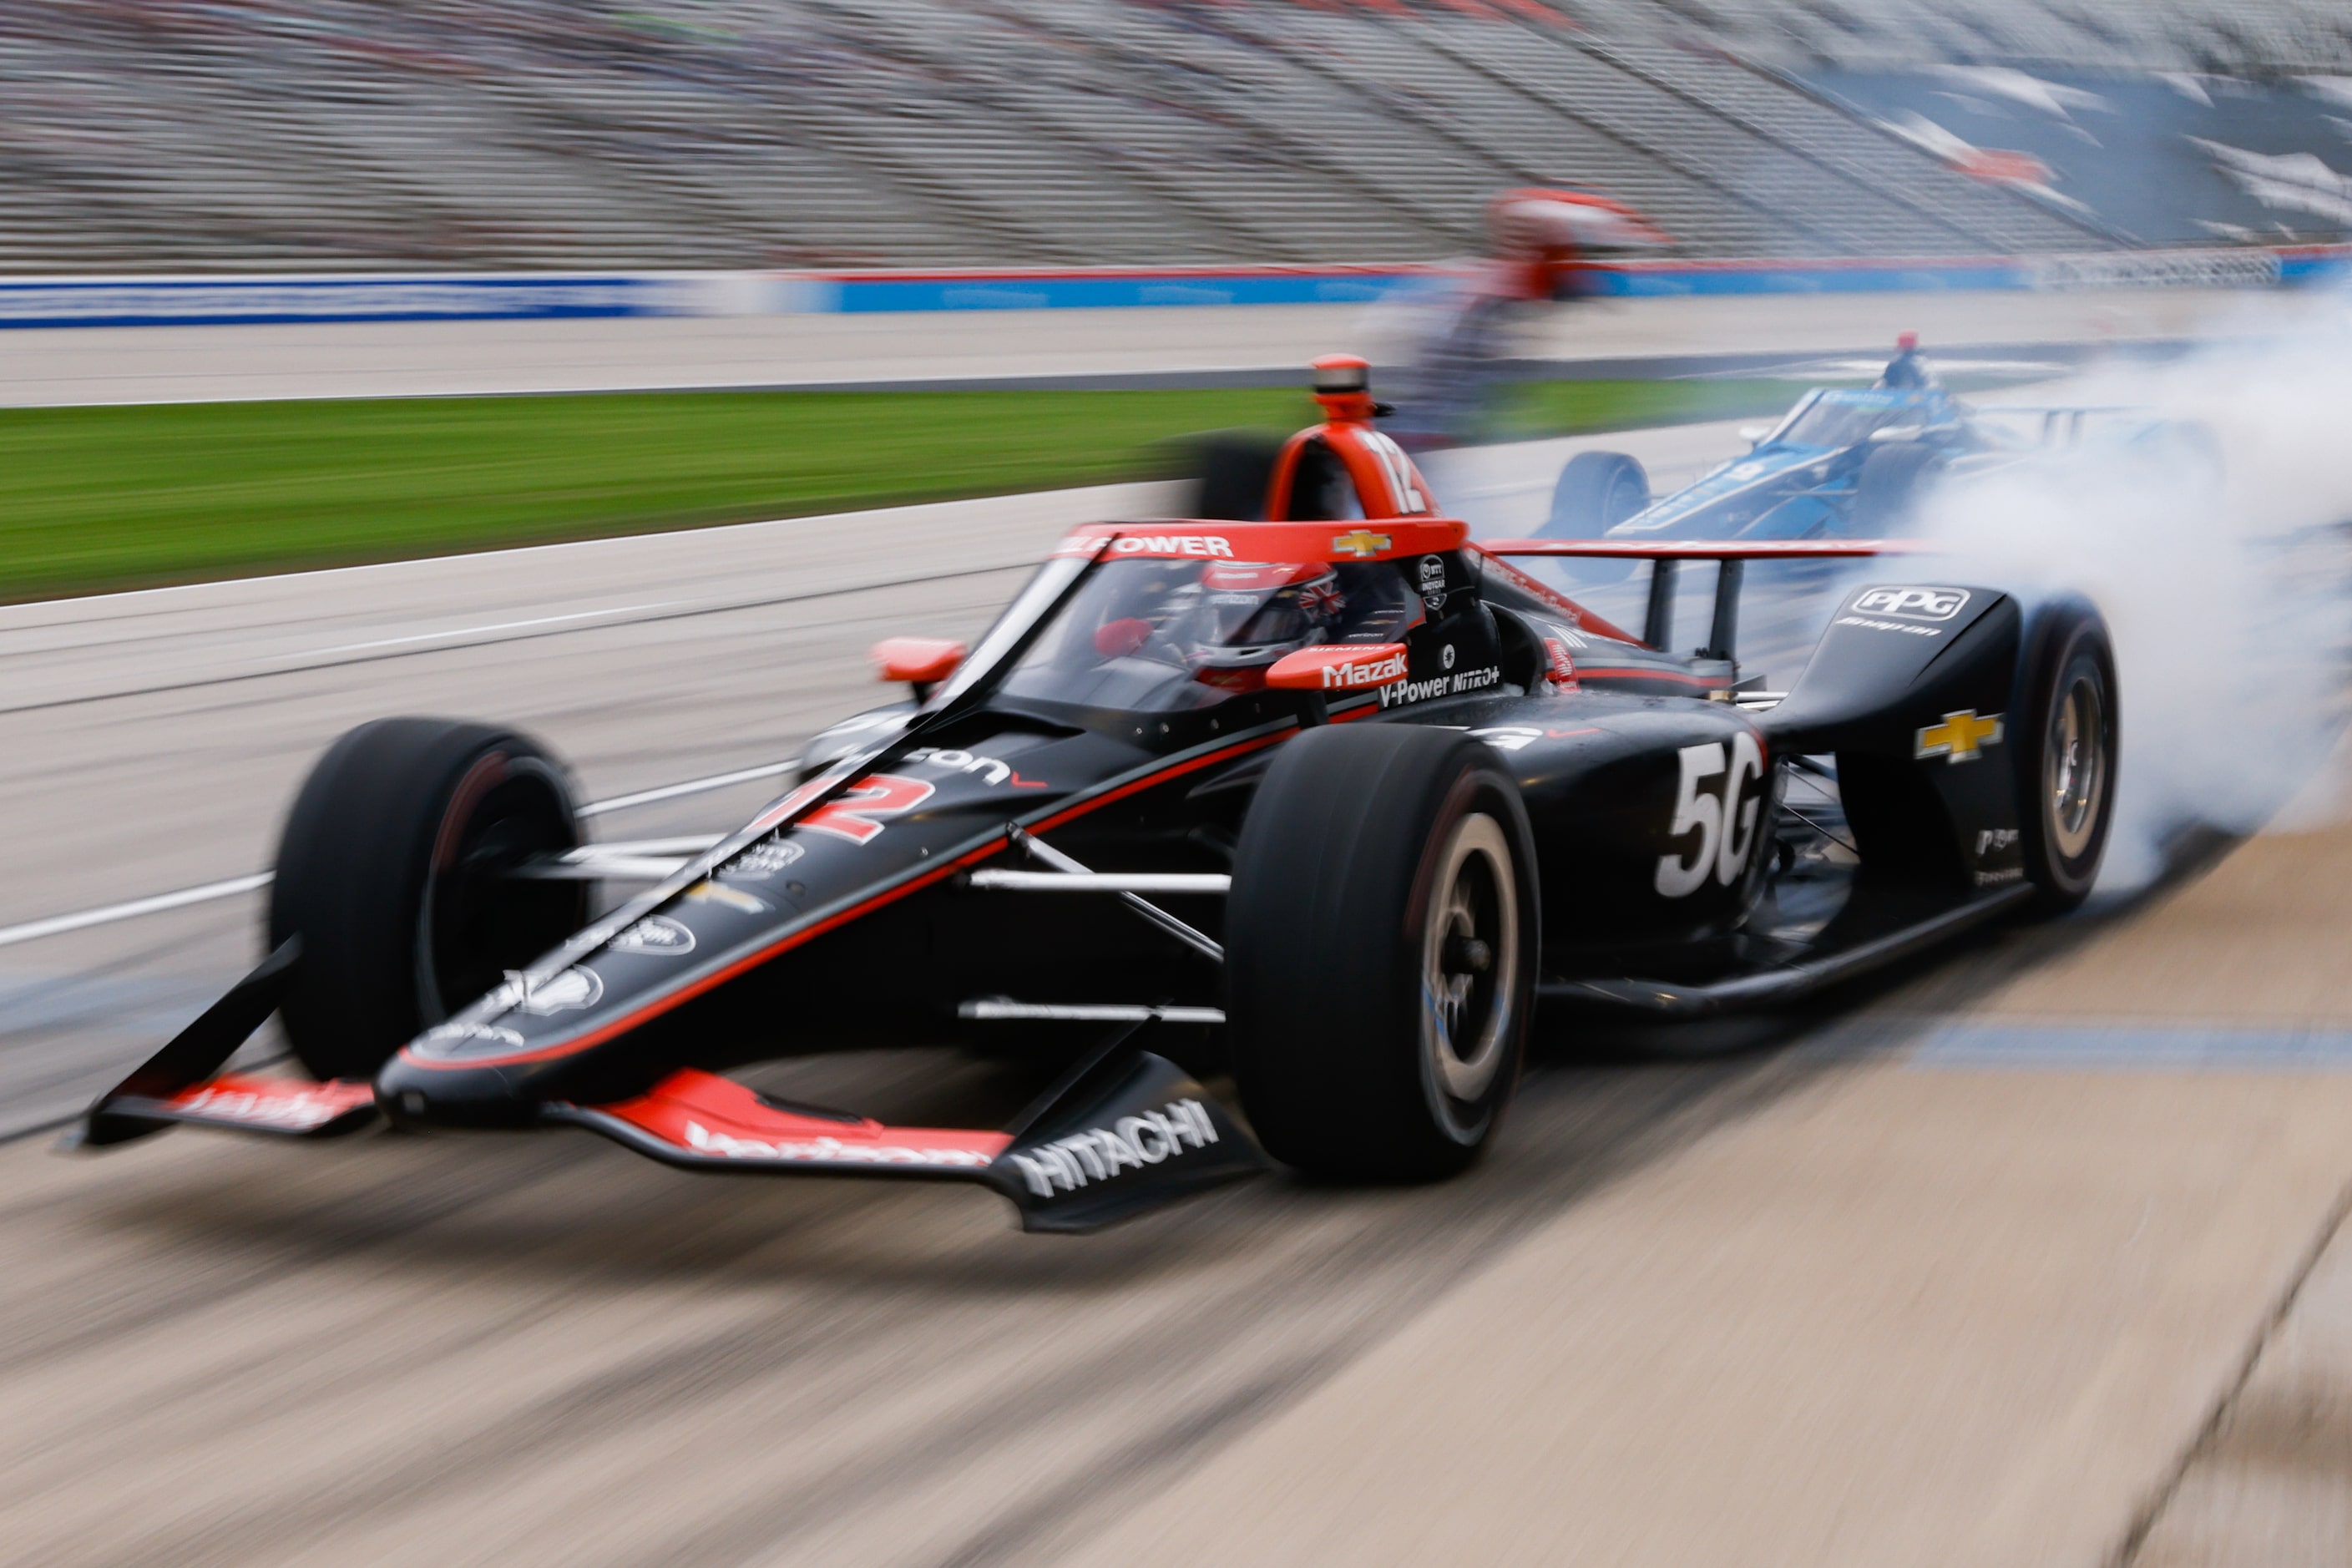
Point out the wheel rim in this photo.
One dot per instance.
(1470, 959)
(477, 923)
(2074, 765)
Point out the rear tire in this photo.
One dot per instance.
(1886, 491)
(1595, 492)
(1231, 470)
(1381, 942)
(2068, 727)
(392, 871)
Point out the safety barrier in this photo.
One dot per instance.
(194, 301)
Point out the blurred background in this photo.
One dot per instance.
(765, 133)
(621, 371)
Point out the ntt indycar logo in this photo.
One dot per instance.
(1101, 1152)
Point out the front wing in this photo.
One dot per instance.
(1123, 1131)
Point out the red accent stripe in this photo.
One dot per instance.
(1584, 619)
(692, 989)
(736, 1113)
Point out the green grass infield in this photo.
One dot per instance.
(111, 497)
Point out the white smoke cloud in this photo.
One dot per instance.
(2225, 592)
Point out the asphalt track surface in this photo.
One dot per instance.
(1847, 1294)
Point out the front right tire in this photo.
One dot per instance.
(394, 871)
(1381, 942)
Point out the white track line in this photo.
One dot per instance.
(692, 786)
(475, 631)
(57, 925)
(156, 904)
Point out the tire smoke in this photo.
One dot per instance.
(2203, 508)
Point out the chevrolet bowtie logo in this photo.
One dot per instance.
(1959, 735)
(1363, 544)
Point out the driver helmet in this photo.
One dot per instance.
(1244, 616)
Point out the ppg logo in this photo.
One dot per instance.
(1912, 604)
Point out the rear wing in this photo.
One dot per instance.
(1733, 554)
(2062, 424)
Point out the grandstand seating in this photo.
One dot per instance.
(145, 136)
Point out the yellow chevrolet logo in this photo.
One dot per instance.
(1363, 544)
(1959, 735)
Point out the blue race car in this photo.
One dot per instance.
(1854, 464)
(1841, 463)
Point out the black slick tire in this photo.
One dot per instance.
(1594, 493)
(1231, 470)
(392, 871)
(2065, 751)
(1381, 942)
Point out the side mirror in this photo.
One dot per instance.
(921, 662)
(1751, 434)
(1339, 666)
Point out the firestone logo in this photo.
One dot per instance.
(827, 1150)
(1372, 673)
(1101, 1152)
(1175, 544)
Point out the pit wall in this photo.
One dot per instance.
(215, 301)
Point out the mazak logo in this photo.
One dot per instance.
(1433, 582)
(1174, 544)
(1911, 604)
(1101, 1152)
(1373, 672)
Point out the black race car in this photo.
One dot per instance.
(1329, 805)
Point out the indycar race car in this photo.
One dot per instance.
(1853, 463)
(1328, 804)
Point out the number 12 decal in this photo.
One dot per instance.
(1725, 822)
(852, 814)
